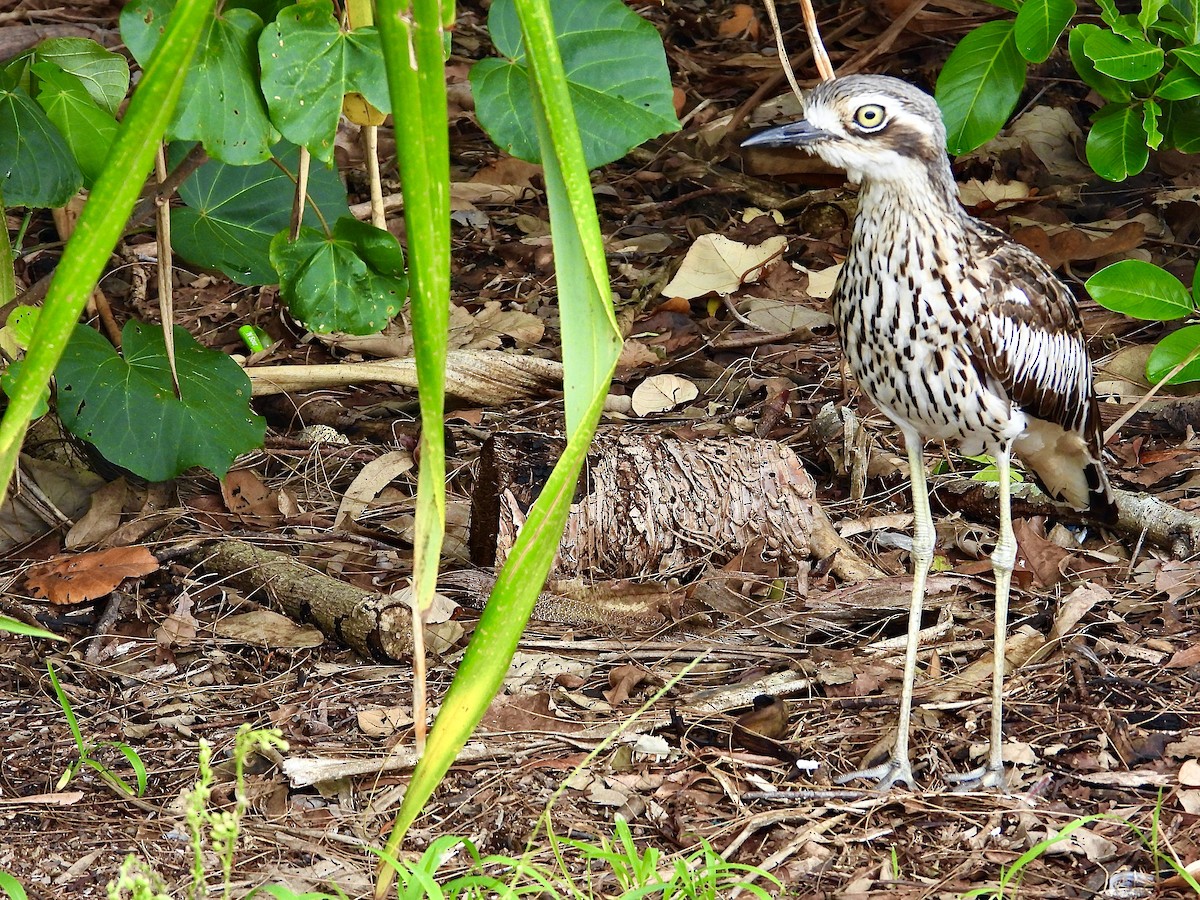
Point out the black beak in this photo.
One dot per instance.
(793, 134)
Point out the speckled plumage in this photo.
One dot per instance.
(955, 331)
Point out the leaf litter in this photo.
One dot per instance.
(1104, 693)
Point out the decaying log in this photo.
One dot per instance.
(1163, 525)
(649, 505)
(376, 626)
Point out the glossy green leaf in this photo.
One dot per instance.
(1189, 56)
(1181, 83)
(1151, 113)
(1109, 88)
(1123, 58)
(1116, 145)
(36, 166)
(88, 129)
(352, 280)
(1151, 9)
(222, 105)
(1141, 290)
(233, 212)
(9, 884)
(1181, 125)
(980, 85)
(1039, 25)
(1185, 14)
(1125, 25)
(1173, 350)
(126, 405)
(616, 69)
(309, 64)
(103, 73)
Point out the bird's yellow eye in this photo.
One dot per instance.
(869, 117)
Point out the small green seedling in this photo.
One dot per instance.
(87, 748)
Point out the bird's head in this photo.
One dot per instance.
(875, 127)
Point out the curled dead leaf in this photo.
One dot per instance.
(86, 576)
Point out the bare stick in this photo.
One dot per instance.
(820, 57)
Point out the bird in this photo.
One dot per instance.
(956, 333)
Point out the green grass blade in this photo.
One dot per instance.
(103, 219)
(422, 144)
(590, 354)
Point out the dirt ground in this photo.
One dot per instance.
(1103, 708)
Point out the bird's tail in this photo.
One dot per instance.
(1068, 465)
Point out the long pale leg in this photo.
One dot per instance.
(898, 769)
(1004, 558)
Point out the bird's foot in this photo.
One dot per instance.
(986, 777)
(886, 775)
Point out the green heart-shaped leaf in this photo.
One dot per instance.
(233, 212)
(615, 67)
(351, 281)
(88, 129)
(36, 166)
(221, 105)
(126, 406)
(309, 64)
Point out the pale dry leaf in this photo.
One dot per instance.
(67, 487)
(180, 626)
(1077, 604)
(1189, 801)
(750, 213)
(660, 393)
(974, 192)
(714, 263)
(821, 282)
(374, 477)
(102, 518)
(603, 795)
(1050, 133)
(383, 721)
(654, 242)
(86, 576)
(783, 317)
(1189, 773)
(464, 195)
(493, 323)
(264, 628)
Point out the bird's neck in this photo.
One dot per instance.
(911, 210)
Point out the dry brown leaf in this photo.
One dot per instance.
(1044, 557)
(86, 576)
(1185, 658)
(1075, 244)
(249, 499)
(624, 680)
(374, 477)
(180, 626)
(383, 721)
(740, 22)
